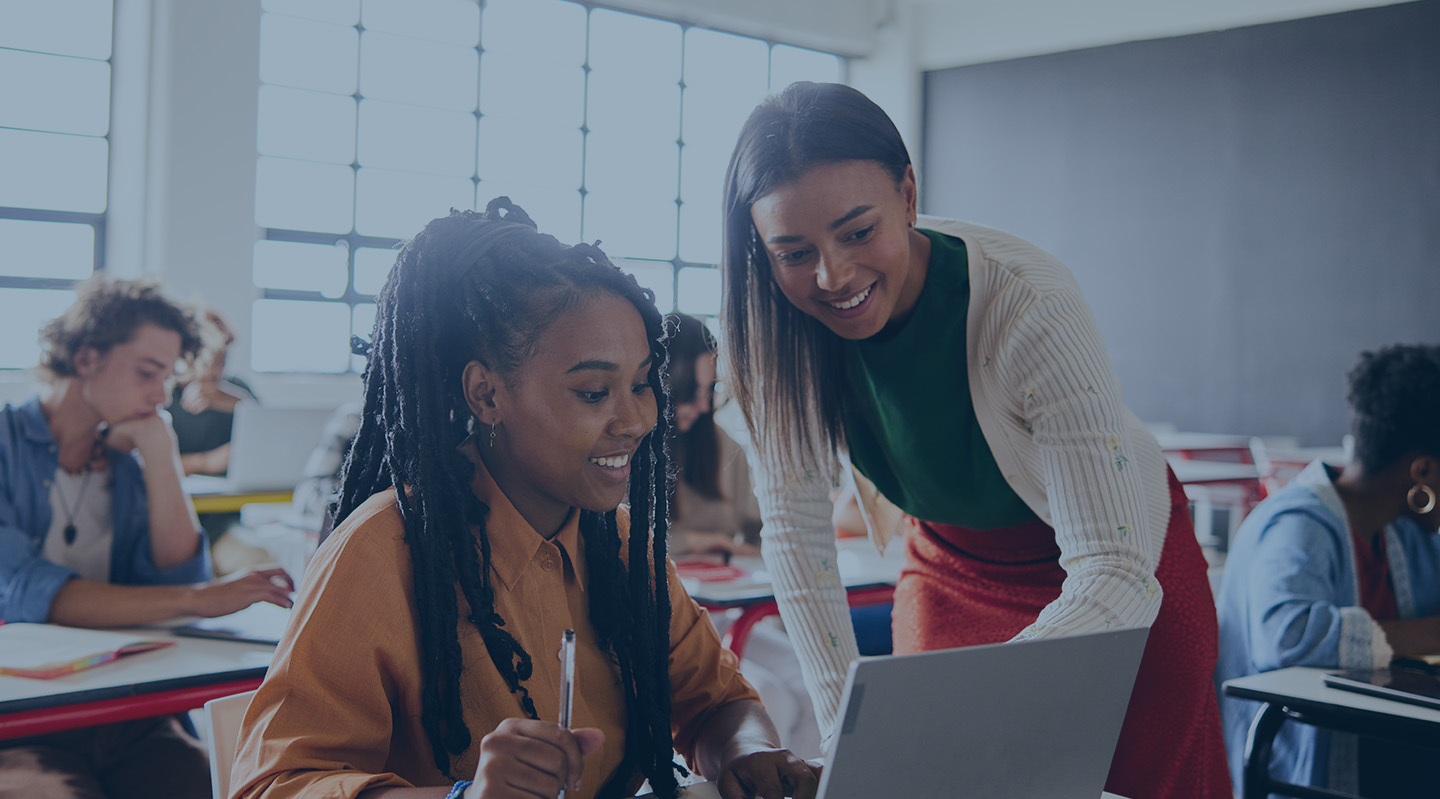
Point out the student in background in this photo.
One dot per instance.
(959, 370)
(90, 539)
(202, 405)
(514, 391)
(1341, 569)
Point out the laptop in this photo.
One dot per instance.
(268, 449)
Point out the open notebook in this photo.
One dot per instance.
(46, 651)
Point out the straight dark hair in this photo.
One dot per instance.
(785, 365)
(485, 287)
(697, 450)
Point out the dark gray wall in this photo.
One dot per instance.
(1246, 210)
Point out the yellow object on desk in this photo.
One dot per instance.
(231, 503)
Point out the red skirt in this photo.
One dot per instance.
(963, 587)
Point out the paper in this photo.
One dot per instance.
(46, 651)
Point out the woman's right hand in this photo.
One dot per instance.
(243, 589)
(529, 758)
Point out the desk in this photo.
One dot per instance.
(869, 579)
(155, 683)
(209, 495)
(1299, 694)
(1205, 446)
(707, 790)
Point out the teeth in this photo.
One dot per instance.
(614, 462)
(853, 301)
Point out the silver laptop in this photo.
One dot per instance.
(268, 449)
(1032, 719)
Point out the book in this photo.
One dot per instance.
(47, 651)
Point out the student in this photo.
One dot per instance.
(715, 511)
(90, 539)
(1341, 569)
(959, 371)
(513, 390)
(202, 405)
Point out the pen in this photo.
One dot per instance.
(567, 682)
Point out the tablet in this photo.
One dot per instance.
(1413, 686)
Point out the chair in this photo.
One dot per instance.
(222, 735)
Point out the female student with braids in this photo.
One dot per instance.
(959, 371)
(513, 391)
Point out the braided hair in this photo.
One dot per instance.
(484, 286)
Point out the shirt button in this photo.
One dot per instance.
(547, 564)
(47, 482)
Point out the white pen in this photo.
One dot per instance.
(567, 682)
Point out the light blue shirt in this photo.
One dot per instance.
(1289, 597)
(29, 582)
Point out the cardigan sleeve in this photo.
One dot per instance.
(1092, 464)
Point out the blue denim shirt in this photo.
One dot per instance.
(29, 582)
(1290, 597)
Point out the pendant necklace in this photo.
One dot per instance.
(70, 512)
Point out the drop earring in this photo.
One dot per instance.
(492, 435)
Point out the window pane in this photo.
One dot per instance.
(363, 325)
(308, 55)
(699, 289)
(47, 249)
(301, 195)
(57, 93)
(372, 267)
(632, 158)
(789, 64)
(53, 171)
(301, 267)
(419, 72)
(338, 12)
(313, 126)
(400, 204)
(451, 21)
(288, 336)
(66, 27)
(537, 167)
(658, 276)
(22, 313)
(725, 77)
(415, 139)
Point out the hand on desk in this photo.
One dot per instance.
(528, 758)
(243, 589)
(769, 774)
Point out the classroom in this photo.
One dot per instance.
(1234, 211)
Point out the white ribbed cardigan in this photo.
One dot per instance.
(1049, 405)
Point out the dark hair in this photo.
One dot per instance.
(1393, 401)
(484, 287)
(697, 450)
(783, 362)
(107, 313)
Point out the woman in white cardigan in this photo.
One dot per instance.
(955, 372)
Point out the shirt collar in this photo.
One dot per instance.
(515, 546)
(33, 421)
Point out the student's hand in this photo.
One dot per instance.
(208, 394)
(529, 758)
(151, 434)
(243, 589)
(769, 774)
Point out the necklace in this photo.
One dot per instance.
(70, 531)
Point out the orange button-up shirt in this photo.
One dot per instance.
(339, 710)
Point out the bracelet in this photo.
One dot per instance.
(459, 789)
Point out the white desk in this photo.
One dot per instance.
(155, 683)
(707, 790)
(1299, 694)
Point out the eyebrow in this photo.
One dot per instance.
(604, 366)
(854, 212)
(153, 362)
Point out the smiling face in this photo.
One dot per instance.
(129, 381)
(841, 246)
(572, 416)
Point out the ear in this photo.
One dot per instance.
(1423, 470)
(482, 386)
(86, 361)
(910, 190)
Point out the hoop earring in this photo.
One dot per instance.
(492, 434)
(1429, 498)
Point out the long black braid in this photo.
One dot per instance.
(484, 287)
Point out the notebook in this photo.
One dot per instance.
(47, 651)
(268, 449)
(261, 623)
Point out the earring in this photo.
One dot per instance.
(1429, 498)
(492, 434)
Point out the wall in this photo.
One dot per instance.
(1245, 210)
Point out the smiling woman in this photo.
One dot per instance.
(514, 396)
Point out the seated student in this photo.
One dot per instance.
(202, 405)
(512, 394)
(1341, 568)
(90, 539)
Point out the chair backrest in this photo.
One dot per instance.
(223, 717)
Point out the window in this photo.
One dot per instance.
(54, 161)
(377, 116)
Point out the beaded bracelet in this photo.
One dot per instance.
(459, 789)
